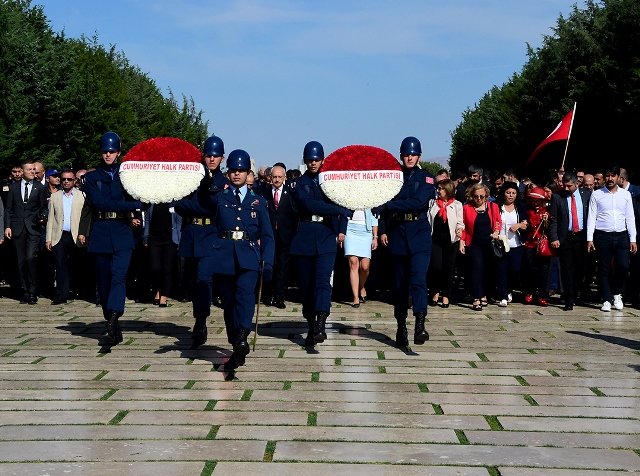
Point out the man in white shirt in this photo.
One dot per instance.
(611, 232)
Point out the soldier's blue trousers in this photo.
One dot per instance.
(410, 279)
(314, 278)
(111, 277)
(238, 300)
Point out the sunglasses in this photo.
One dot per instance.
(67, 179)
(479, 196)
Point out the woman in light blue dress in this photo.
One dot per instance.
(360, 240)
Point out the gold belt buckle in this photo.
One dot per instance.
(111, 215)
(237, 235)
(408, 217)
(317, 218)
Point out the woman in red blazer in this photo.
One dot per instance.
(482, 223)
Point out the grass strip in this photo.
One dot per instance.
(494, 423)
(189, 362)
(108, 395)
(315, 376)
(210, 405)
(382, 369)
(381, 355)
(144, 368)
(462, 438)
(118, 418)
(38, 360)
(268, 451)
(448, 332)
(338, 361)
(493, 471)
(437, 409)
(455, 344)
(530, 400)
(353, 342)
(100, 375)
(531, 351)
(553, 373)
(209, 466)
(597, 391)
(189, 384)
(312, 419)
(482, 357)
(246, 395)
(286, 385)
(212, 432)
(472, 364)
(521, 380)
(281, 353)
(26, 340)
(423, 387)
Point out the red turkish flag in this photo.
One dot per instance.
(561, 132)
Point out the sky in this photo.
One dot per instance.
(271, 75)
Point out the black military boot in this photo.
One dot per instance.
(421, 335)
(241, 347)
(309, 342)
(199, 335)
(114, 333)
(320, 333)
(402, 336)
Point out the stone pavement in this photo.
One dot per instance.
(509, 391)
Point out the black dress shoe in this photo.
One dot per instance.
(241, 347)
(199, 335)
(25, 299)
(162, 304)
(568, 307)
(420, 335)
(402, 336)
(444, 305)
(355, 304)
(156, 302)
(56, 302)
(320, 333)
(279, 304)
(33, 300)
(363, 299)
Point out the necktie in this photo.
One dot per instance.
(238, 196)
(26, 192)
(575, 226)
(276, 197)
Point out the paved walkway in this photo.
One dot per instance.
(514, 391)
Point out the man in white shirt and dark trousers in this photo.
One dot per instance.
(611, 232)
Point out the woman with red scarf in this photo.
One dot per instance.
(535, 280)
(482, 223)
(445, 216)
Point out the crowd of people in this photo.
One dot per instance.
(468, 240)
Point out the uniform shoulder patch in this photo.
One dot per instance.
(429, 179)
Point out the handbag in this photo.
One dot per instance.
(497, 247)
(542, 245)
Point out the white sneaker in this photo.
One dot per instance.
(606, 306)
(509, 297)
(503, 303)
(617, 302)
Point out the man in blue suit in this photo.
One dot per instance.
(112, 240)
(245, 240)
(198, 231)
(322, 225)
(405, 229)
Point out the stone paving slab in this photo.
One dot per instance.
(517, 390)
(463, 455)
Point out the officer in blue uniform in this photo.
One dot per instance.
(245, 240)
(112, 240)
(405, 229)
(321, 227)
(198, 231)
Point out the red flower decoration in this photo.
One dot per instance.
(360, 157)
(164, 149)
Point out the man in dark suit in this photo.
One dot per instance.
(568, 234)
(25, 212)
(284, 221)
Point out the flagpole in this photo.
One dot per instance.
(566, 147)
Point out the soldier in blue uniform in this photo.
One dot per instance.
(198, 231)
(322, 226)
(405, 229)
(245, 240)
(112, 240)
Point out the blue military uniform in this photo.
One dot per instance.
(198, 232)
(315, 247)
(404, 221)
(245, 238)
(112, 240)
